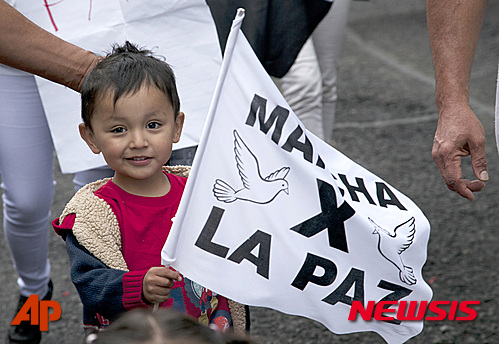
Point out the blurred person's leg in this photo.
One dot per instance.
(328, 39)
(302, 89)
(26, 167)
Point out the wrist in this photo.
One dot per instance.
(88, 60)
(451, 92)
(447, 104)
(133, 290)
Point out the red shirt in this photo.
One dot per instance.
(145, 223)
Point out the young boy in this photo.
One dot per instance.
(115, 228)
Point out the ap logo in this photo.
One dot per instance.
(37, 312)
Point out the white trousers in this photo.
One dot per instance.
(301, 87)
(26, 167)
(26, 170)
(328, 40)
(310, 86)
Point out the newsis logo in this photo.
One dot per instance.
(37, 312)
(413, 310)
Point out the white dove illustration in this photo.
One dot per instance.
(255, 188)
(392, 245)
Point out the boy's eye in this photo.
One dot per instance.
(153, 125)
(118, 130)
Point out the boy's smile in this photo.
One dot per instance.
(135, 136)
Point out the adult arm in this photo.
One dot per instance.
(454, 27)
(26, 46)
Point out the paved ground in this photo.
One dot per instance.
(386, 120)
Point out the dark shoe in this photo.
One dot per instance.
(25, 333)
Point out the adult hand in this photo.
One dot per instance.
(158, 282)
(459, 134)
(26, 46)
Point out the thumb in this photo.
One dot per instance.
(479, 163)
(172, 274)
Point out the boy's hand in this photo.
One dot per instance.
(157, 283)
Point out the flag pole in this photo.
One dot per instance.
(229, 49)
(168, 253)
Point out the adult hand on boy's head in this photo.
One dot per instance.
(157, 283)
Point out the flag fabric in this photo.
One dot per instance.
(275, 29)
(271, 216)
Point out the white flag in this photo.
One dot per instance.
(273, 217)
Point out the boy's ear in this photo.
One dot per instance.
(179, 124)
(87, 136)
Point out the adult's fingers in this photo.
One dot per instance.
(459, 134)
(478, 159)
(466, 188)
(448, 159)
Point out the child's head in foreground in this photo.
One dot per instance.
(131, 114)
(164, 326)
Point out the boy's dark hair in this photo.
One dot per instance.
(124, 71)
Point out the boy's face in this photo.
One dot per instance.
(135, 135)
